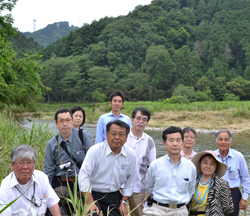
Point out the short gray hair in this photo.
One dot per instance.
(187, 129)
(227, 131)
(22, 151)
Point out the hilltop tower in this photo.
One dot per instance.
(34, 27)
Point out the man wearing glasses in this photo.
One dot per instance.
(107, 166)
(29, 187)
(144, 147)
(65, 154)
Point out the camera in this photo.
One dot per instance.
(36, 201)
(65, 166)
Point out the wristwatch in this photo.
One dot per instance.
(124, 201)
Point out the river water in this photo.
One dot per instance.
(203, 142)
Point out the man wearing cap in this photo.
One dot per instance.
(144, 147)
(170, 180)
(237, 172)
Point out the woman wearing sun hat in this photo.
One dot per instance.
(212, 196)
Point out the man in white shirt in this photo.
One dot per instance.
(30, 187)
(107, 166)
(144, 147)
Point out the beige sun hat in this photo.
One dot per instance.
(221, 167)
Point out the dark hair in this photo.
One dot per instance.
(144, 111)
(227, 131)
(187, 129)
(63, 110)
(210, 156)
(171, 130)
(119, 123)
(78, 108)
(116, 93)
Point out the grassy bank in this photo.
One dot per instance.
(233, 115)
(13, 134)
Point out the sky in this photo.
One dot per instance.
(76, 12)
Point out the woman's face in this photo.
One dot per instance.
(77, 119)
(208, 165)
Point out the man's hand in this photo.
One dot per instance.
(90, 201)
(243, 204)
(123, 208)
(92, 209)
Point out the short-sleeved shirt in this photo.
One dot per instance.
(43, 191)
(145, 152)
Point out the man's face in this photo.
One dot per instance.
(189, 139)
(116, 103)
(116, 137)
(223, 142)
(23, 169)
(140, 121)
(173, 143)
(64, 123)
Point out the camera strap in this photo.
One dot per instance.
(34, 189)
(63, 144)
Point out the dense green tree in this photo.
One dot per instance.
(20, 83)
(160, 67)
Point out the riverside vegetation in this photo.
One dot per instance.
(233, 115)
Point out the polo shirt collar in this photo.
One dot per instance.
(109, 151)
(143, 136)
(14, 182)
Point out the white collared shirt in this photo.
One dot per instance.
(145, 152)
(103, 171)
(22, 206)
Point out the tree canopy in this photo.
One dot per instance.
(155, 52)
(20, 83)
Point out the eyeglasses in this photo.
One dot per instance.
(187, 137)
(23, 162)
(64, 120)
(120, 135)
(138, 118)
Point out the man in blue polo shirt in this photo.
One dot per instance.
(116, 100)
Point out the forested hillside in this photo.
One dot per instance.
(176, 50)
(23, 45)
(51, 33)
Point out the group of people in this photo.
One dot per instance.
(121, 169)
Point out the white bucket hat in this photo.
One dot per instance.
(221, 167)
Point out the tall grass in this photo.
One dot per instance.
(13, 134)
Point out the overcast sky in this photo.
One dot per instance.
(76, 12)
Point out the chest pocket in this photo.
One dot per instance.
(233, 173)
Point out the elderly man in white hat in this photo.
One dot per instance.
(212, 194)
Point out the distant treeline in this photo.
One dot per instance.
(173, 50)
